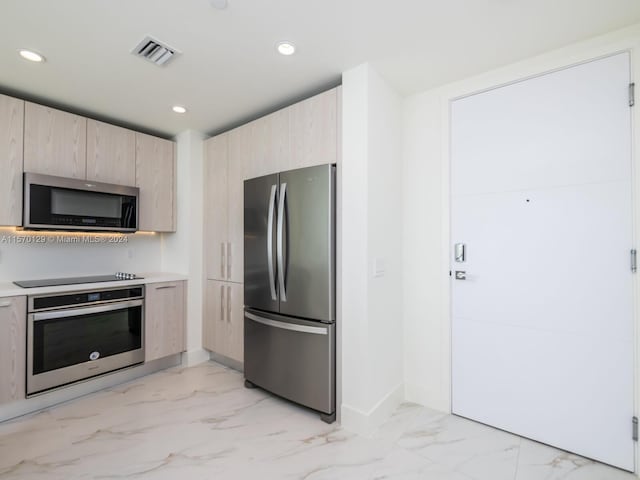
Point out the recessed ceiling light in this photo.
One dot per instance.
(31, 56)
(179, 109)
(219, 4)
(286, 48)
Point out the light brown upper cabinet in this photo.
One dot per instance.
(314, 130)
(216, 204)
(55, 142)
(156, 177)
(165, 318)
(39, 139)
(239, 142)
(224, 200)
(266, 150)
(11, 160)
(258, 148)
(111, 153)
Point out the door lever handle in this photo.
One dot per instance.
(461, 275)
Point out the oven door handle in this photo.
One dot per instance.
(76, 312)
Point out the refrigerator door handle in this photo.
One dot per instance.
(281, 274)
(287, 326)
(272, 207)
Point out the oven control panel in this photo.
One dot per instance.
(46, 302)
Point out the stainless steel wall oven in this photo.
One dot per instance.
(78, 335)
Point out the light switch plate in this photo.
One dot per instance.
(378, 267)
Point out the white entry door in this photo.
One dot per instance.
(542, 317)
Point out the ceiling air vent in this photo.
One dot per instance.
(154, 51)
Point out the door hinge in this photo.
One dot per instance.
(634, 257)
(634, 427)
(632, 94)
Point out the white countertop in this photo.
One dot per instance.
(8, 289)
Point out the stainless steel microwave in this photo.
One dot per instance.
(59, 203)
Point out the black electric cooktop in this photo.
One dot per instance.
(50, 282)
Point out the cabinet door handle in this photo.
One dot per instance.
(223, 258)
(165, 286)
(222, 303)
(228, 304)
(229, 257)
(5, 304)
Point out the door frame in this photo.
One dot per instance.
(558, 60)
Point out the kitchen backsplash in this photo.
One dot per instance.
(35, 255)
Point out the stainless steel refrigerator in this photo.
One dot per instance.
(289, 286)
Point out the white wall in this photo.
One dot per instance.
(182, 252)
(425, 161)
(371, 229)
(425, 266)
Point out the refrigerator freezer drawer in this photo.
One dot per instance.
(292, 358)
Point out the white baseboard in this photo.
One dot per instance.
(195, 357)
(365, 423)
(227, 362)
(422, 396)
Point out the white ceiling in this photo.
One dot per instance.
(229, 70)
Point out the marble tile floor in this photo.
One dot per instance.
(201, 423)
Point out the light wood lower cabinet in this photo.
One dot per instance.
(223, 326)
(165, 315)
(13, 344)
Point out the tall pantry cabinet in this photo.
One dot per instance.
(302, 135)
(222, 329)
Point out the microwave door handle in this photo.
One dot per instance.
(272, 207)
(281, 274)
(126, 218)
